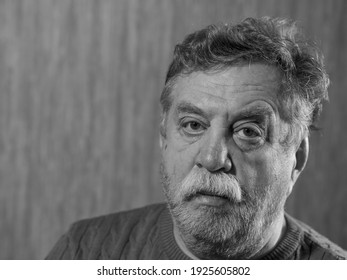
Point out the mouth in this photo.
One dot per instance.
(207, 198)
(208, 193)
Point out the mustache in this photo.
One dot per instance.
(201, 181)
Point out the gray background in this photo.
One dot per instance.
(79, 87)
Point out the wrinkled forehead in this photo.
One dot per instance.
(237, 85)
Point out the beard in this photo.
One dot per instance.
(235, 230)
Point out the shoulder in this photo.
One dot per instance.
(108, 236)
(120, 220)
(316, 246)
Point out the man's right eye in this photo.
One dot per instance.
(192, 127)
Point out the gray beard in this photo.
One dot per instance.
(236, 231)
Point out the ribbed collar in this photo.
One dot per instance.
(168, 239)
(284, 249)
(291, 240)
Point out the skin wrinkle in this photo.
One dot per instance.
(285, 129)
(202, 89)
(250, 112)
(247, 87)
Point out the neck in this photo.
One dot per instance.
(276, 234)
(269, 241)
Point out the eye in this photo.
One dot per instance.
(249, 132)
(192, 127)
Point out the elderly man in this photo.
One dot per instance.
(237, 107)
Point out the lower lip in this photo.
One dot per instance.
(210, 200)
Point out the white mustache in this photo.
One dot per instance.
(200, 180)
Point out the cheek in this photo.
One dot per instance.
(178, 161)
(262, 170)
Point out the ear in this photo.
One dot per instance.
(161, 141)
(162, 134)
(301, 157)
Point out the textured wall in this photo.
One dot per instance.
(79, 88)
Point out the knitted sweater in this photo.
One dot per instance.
(147, 233)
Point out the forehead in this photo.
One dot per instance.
(230, 89)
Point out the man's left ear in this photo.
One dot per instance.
(301, 157)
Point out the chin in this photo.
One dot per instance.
(212, 224)
(217, 233)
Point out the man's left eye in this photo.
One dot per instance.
(249, 132)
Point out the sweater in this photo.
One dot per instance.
(147, 233)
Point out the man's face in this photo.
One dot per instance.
(225, 174)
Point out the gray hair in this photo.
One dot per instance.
(272, 41)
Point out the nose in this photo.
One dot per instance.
(213, 154)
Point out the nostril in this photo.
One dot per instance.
(228, 164)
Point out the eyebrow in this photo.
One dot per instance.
(255, 111)
(190, 108)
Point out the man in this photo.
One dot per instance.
(237, 107)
